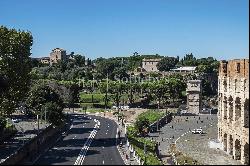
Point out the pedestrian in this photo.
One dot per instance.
(173, 137)
(162, 139)
(197, 121)
(199, 118)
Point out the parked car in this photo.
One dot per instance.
(126, 107)
(16, 120)
(197, 131)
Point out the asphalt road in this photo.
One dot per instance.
(87, 143)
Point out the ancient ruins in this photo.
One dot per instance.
(233, 122)
(194, 96)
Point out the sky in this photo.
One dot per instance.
(109, 28)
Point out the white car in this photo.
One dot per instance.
(16, 120)
(114, 107)
(126, 107)
(197, 131)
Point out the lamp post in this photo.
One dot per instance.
(106, 98)
(145, 152)
(45, 118)
(37, 117)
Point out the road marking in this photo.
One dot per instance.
(87, 144)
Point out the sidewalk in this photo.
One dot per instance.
(27, 129)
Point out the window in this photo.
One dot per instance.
(238, 67)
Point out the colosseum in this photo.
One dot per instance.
(233, 93)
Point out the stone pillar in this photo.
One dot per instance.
(234, 148)
(243, 112)
(234, 105)
(228, 110)
(219, 133)
(242, 156)
(228, 143)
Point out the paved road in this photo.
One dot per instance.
(26, 130)
(181, 125)
(86, 143)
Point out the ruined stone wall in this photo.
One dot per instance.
(150, 65)
(57, 54)
(233, 114)
(194, 96)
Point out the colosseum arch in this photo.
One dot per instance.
(230, 101)
(225, 108)
(225, 142)
(246, 153)
(237, 108)
(231, 145)
(237, 149)
(246, 113)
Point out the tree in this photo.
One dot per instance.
(167, 63)
(15, 65)
(79, 60)
(35, 62)
(141, 124)
(43, 98)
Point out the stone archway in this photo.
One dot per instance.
(225, 142)
(237, 150)
(230, 113)
(237, 108)
(231, 145)
(246, 153)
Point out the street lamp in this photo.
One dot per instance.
(37, 117)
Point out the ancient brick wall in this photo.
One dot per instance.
(233, 114)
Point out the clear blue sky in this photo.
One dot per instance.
(107, 28)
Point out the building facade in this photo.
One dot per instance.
(57, 54)
(149, 65)
(45, 60)
(194, 92)
(233, 108)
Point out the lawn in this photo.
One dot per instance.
(152, 115)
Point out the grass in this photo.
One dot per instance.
(96, 105)
(99, 97)
(152, 115)
(87, 98)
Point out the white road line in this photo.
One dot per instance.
(86, 146)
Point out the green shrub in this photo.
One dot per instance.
(152, 115)
(138, 144)
(3, 123)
